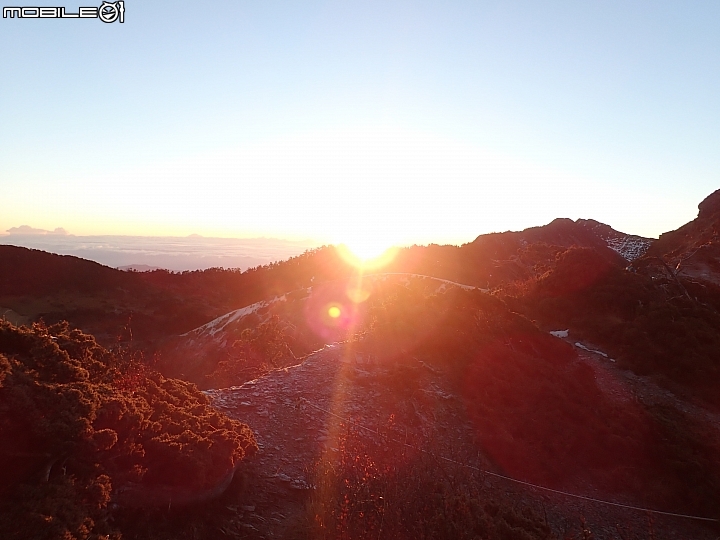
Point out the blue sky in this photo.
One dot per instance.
(370, 122)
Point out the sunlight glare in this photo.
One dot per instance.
(357, 293)
(367, 255)
(334, 312)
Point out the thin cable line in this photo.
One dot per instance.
(536, 486)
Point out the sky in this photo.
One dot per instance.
(367, 122)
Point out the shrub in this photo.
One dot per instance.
(75, 435)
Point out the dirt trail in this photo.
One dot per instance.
(294, 414)
(623, 385)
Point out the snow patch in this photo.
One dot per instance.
(219, 324)
(629, 247)
(584, 348)
(560, 333)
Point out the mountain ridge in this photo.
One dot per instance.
(571, 356)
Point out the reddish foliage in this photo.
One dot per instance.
(79, 424)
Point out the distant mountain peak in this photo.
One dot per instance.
(28, 230)
(566, 232)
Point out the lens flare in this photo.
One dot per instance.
(357, 294)
(330, 314)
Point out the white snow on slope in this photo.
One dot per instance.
(588, 349)
(219, 324)
(629, 247)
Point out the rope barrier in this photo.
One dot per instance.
(515, 480)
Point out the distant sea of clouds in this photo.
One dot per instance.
(148, 252)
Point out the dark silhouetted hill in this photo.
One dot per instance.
(31, 272)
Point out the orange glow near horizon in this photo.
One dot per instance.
(367, 256)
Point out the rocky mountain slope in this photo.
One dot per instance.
(693, 250)
(492, 261)
(404, 414)
(487, 390)
(602, 289)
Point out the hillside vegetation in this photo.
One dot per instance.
(83, 428)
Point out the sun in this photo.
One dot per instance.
(367, 254)
(366, 249)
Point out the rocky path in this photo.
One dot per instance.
(300, 413)
(627, 388)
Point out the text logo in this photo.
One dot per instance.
(108, 12)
